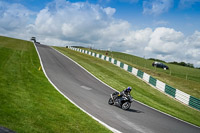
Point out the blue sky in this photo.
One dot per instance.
(182, 15)
(163, 29)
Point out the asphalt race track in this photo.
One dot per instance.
(92, 96)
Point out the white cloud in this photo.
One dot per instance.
(13, 16)
(14, 20)
(198, 63)
(80, 23)
(64, 23)
(192, 46)
(156, 7)
(110, 11)
(193, 40)
(166, 44)
(135, 41)
(170, 45)
(164, 41)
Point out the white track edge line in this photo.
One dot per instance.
(104, 124)
(133, 99)
(86, 70)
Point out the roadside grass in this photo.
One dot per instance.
(120, 79)
(183, 78)
(28, 102)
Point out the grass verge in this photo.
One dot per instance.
(29, 103)
(120, 79)
(183, 78)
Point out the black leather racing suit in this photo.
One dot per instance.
(122, 93)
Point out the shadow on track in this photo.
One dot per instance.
(134, 111)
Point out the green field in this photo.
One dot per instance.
(120, 79)
(28, 102)
(183, 78)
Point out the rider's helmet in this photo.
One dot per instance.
(129, 89)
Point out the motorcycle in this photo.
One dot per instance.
(123, 102)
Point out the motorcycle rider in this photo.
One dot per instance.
(125, 93)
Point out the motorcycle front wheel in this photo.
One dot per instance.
(126, 105)
(110, 101)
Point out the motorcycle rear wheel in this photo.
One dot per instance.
(110, 101)
(126, 105)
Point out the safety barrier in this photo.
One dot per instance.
(152, 81)
(170, 90)
(177, 94)
(194, 102)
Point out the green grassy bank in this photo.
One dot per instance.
(120, 79)
(183, 78)
(28, 102)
